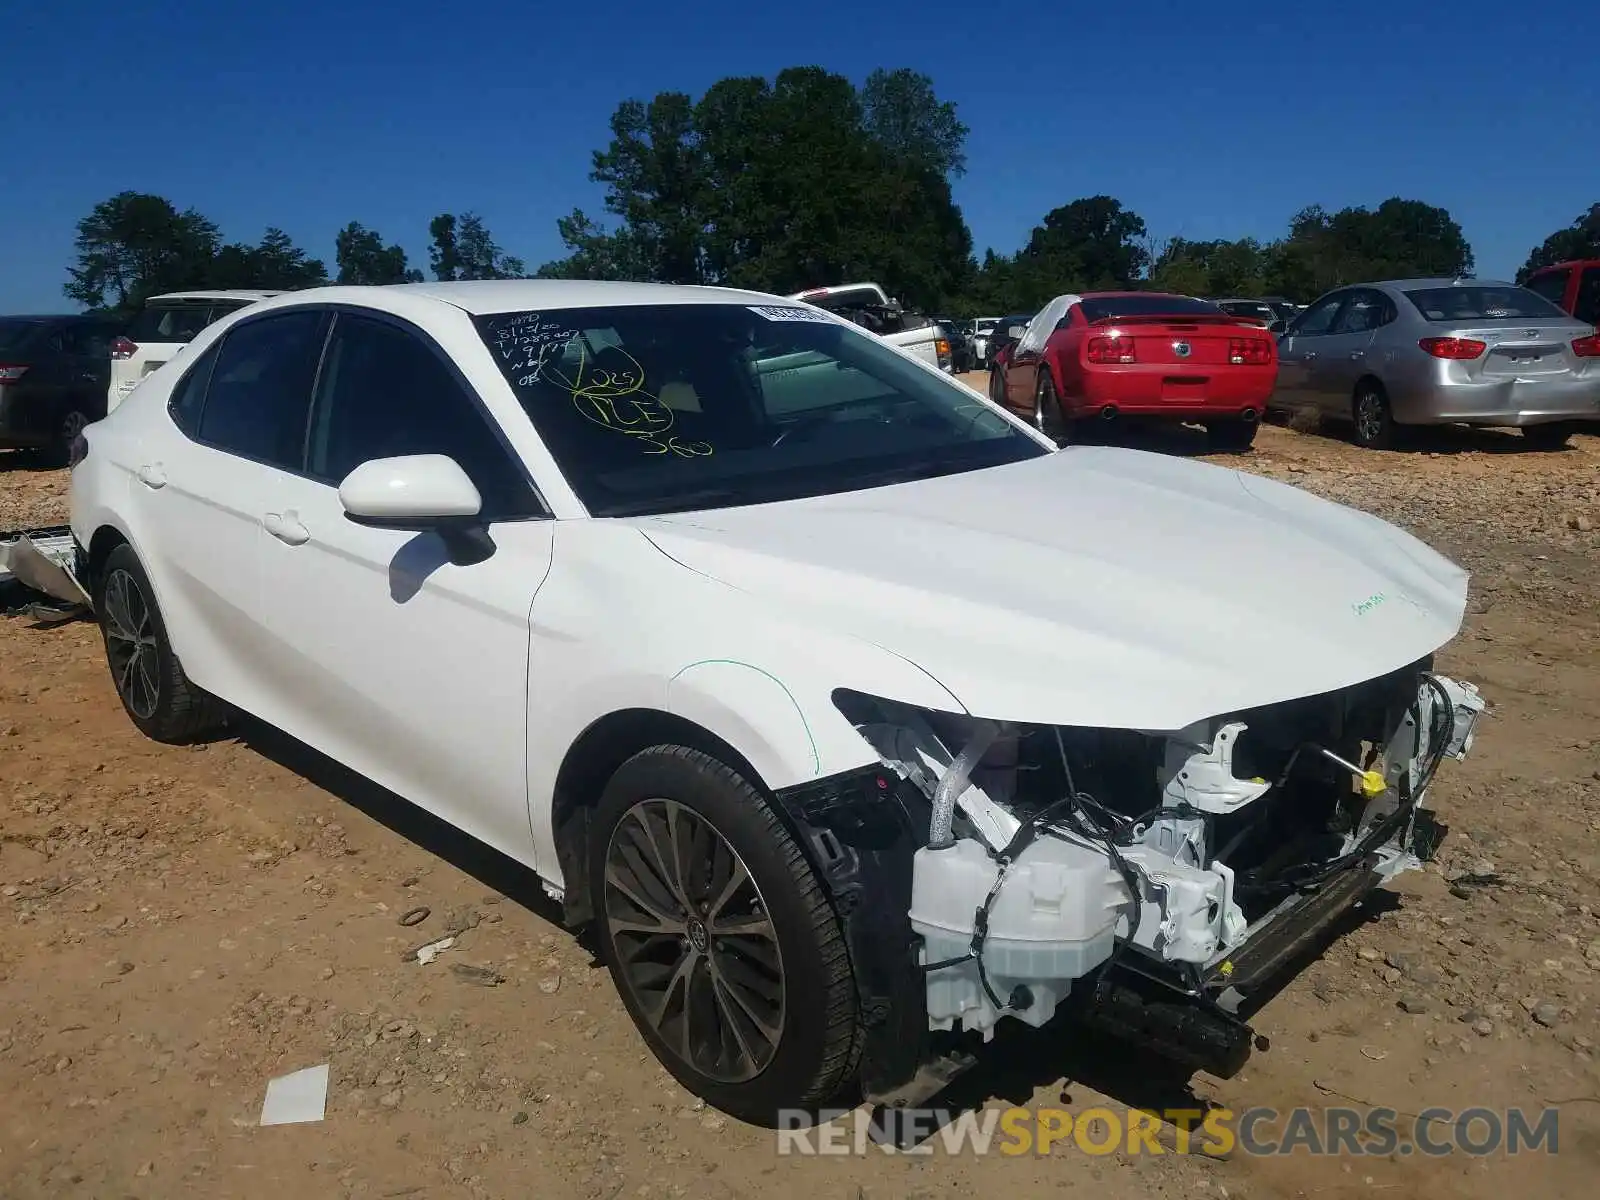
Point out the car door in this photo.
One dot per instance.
(1342, 356)
(1300, 349)
(1022, 372)
(388, 657)
(235, 425)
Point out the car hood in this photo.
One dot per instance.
(1093, 586)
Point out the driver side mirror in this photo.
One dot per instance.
(420, 493)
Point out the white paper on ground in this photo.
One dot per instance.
(296, 1098)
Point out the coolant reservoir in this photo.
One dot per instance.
(1052, 922)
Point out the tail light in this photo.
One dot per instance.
(10, 374)
(1584, 347)
(1252, 351)
(942, 347)
(123, 348)
(1456, 349)
(1114, 348)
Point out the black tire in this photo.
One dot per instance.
(155, 693)
(808, 1050)
(1233, 436)
(997, 386)
(1553, 435)
(1048, 418)
(1375, 427)
(57, 451)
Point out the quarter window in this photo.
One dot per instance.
(384, 392)
(187, 398)
(260, 388)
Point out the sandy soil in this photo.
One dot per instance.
(177, 926)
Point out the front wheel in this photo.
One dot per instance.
(722, 943)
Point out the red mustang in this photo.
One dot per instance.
(1106, 355)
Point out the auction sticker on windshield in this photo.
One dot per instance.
(777, 312)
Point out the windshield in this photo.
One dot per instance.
(16, 335)
(1505, 302)
(657, 408)
(1101, 308)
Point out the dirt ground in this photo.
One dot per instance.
(178, 926)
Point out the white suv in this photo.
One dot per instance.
(167, 325)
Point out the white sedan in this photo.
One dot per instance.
(857, 716)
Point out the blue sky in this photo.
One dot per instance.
(1208, 122)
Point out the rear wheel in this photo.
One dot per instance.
(1048, 418)
(1374, 421)
(1234, 435)
(1551, 436)
(150, 682)
(719, 938)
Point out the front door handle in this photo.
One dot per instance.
(152, 476)
(1357, 355)
(286, 528)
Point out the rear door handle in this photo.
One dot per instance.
(1357, 355)
(152, 476)
(286, 528)
(1310, 355)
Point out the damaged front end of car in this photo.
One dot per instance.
(1146, 880)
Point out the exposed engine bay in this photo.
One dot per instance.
(1189, 863)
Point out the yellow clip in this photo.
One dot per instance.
(1372, 784)
(1226, 969)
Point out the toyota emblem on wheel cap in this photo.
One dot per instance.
(1182, 349)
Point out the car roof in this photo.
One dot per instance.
(482, 297)
(1445, 281)
(217, 294)
(41, 318)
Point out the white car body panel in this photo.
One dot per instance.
(1087, 587)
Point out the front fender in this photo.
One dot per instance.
(756, 713)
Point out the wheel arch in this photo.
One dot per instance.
(593, 758)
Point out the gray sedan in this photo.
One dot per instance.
(1438, 352)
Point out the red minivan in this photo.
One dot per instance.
(1572, 286)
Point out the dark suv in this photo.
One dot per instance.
(54, 371)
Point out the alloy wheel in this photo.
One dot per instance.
(1370, 416)
(131, 644)
(696, 947)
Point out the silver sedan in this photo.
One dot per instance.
(1438, 352)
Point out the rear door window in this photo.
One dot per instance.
(260, 388)
(1367, 310)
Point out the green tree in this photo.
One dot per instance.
(135, 245)
(1581, 239)
(779, 185)
(902, 112)
(463, 249)
(1092, 244)
(1215, 269)
(274, 263)
(1399, 239)
(363, 258)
